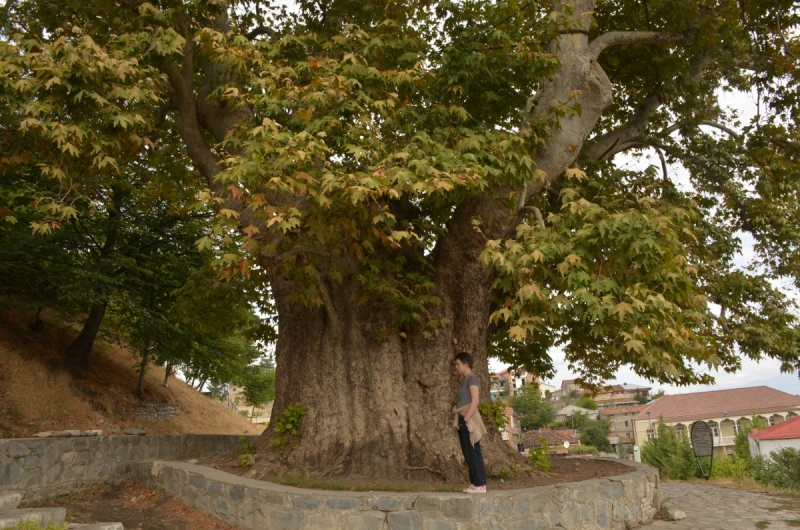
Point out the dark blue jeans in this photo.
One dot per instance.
(472, 454)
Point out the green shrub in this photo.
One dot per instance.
(494, 412)
(287, 426)
(671, 454)
(540, 456)
(583, 450)
(781, 469)
(730, 467)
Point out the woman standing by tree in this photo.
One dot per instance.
(470, 426)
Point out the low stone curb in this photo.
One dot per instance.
(39, 467)
(608, 503)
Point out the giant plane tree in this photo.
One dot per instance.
(416, 178)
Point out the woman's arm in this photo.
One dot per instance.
(474, 391)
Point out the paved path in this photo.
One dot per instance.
(715, 508)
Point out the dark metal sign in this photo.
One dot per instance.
(703, 444)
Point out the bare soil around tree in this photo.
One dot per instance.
(133, 505)
(563, 470)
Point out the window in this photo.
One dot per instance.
(626, 424)
(651, 433)
(714, 429)
(681, 430)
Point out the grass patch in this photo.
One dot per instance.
(762, 524)
(299, 481)
(745, 483)
(33, 525)
(793, 522)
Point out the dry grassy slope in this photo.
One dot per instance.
(40, 390)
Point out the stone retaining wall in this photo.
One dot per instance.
(39, 467)
(150, 411)
(610, 503)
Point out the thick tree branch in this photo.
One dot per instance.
(199, 151)
(617, 38)
(714, 124)
(327, 301)
(257, 32)
(625, 137)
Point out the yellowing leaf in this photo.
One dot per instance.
(517, 333)
(622, 308)
(227, 212)
(575, 173)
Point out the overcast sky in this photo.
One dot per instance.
(753, 373)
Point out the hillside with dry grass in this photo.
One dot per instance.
(42, 390)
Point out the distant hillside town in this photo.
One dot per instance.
(619, 416)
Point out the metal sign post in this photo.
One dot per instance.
(703, 445)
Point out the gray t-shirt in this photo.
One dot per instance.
(464, 398)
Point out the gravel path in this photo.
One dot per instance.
(716, 508)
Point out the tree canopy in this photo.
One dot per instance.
(449, 167)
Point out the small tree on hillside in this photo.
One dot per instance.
(586, 402)
(595, 433)
(531, 410)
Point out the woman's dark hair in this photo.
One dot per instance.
(465, 358)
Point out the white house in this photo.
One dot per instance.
(779, 436)
(572, 410)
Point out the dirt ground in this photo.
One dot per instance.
(133, 505)
(569, 469)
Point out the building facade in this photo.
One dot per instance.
(621, 420)
(727, 412)
(780, 436)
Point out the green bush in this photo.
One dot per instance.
(540, 456)
(781, 469)
(494, 412)
(671, 454)
(582, 450)
(730, 467)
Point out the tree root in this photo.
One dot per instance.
(424, 468)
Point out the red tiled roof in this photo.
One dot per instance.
(553, 437)
(613, 411)
(785, 430)
(568, 382)
(736, 402)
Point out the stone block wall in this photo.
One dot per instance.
(612, 503)
(39, 467)
(150, 411)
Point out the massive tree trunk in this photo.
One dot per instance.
(382, 408)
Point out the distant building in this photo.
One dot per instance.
(505, 384)
(553, 438)
(236, 401)
(779, 436)
(725, 411)
(621, 420)
(573, 410)
(615, 395)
